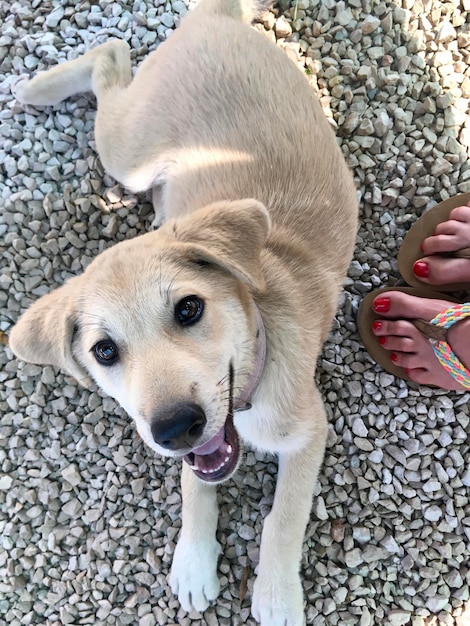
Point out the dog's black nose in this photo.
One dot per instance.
(178, 426)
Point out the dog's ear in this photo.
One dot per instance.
(44, 333)
(228, 234)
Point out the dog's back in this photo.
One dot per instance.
(259, 132)
(258, 129)
(244, 10)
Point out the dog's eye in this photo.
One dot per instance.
(189, 310)
(106, 352)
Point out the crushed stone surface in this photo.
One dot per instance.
(89, 517)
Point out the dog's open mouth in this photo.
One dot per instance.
(217, 459)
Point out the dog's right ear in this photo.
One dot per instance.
(230, 234)
(44, 333)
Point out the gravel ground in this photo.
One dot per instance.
(89, 516)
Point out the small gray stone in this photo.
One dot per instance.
(344, 15)
(72, 475)
(167, 20)
(363, 444)
(359, 428)
(55, 16)
(376, 456)
(445, 32)
(72, 508)
(247, 532)
(370, 24)
(376, 52)
(432, 513)
(354, 389)
(436, 603)
(319, 508)
(396, 617)
(282, 27)
(353, 558)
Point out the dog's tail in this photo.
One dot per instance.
(244, 10)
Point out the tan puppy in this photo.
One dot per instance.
(207, 331)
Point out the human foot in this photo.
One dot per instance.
(408, 347)
(447, 252)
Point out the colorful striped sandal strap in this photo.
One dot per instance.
(446, 356)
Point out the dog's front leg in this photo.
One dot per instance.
(277, 593)
(194, 571)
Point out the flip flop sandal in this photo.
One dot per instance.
(435, 331)
(425, 226)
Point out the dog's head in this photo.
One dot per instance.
(164, 323)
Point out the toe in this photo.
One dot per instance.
(461, 214)
(397, 344)
(441, 242)
(420, 376)
(403, 360)
(436, 270)
(391, 328)
(450, 235)
(400, 305)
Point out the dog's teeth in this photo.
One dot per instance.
(203, 470)
(229, 450)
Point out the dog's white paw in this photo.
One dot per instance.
(158, 206)
(193, 575)
(278, 599)
(34, 90)
(157, 221)
(21, 88)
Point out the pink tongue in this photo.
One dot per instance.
(212, 445)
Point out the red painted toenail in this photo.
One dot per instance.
(381, 305)
(382, 340)
(421, 269)
(394, 357)
(377, 325)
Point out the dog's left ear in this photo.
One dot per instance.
(228, 234)
(44, 332)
